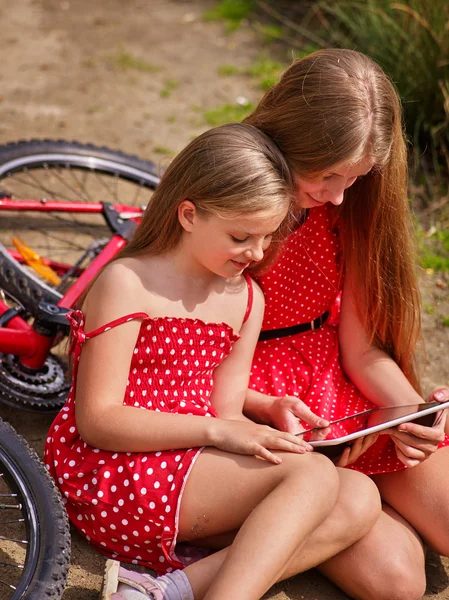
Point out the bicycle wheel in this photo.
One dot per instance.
(59, 171)
(63, 171)
(34, 529)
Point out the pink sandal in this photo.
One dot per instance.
(114, 574)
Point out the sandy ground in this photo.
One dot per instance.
(64, 75)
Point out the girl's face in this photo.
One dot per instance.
(330, 186)
(226, 247)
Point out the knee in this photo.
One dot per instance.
(324, 476)
(359, 503)
(314, 472)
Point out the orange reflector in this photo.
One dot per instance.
(33, 259)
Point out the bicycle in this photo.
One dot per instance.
(35, 538)
(66, 209)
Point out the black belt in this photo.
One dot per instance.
(271, 334)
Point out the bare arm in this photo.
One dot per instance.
(101, 418)
(258, 407)
(381, 380)
(231, 395)
(231, 377)
(284, 413)
(105, 423)
(374, 373)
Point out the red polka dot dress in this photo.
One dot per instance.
(127, 504)
(302, 285)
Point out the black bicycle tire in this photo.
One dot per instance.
(29, 291)
(50, 549)
(33, 148)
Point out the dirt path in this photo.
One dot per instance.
(139, 76)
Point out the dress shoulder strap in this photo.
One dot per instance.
(249, 283)
(79, 336)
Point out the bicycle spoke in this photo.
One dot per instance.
(8, 539)
(102, 182)
(84, 177)
(79, 189)
(11, 587)
(37, 185)
(7, 564)
(63, 237)
(136, 195)
(58, 173)
(14, 539)
(12, 521)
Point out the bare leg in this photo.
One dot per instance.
(420, 495)
(355, 513)
(275, 508)
(386, 564)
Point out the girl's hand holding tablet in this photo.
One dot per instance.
(351, 453)
(415, 443)
(416, 431)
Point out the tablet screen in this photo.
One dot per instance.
(370, 418)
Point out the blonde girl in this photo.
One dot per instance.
(152, 451)
(342, 316)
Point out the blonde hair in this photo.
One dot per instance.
(228, 171)
(337, 106)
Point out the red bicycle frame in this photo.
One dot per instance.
(18, 337)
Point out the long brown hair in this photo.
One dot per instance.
(335, 106)
(228, 171)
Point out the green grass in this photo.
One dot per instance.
(125, 61)
(169, 86)
(270, 33)
(429, 309)
(228, 113)
(410, 40)
(231, 12)
(305, 50)
(164, 150)
(228, 70)
(266, 71)
(446, 321)
(433, 249)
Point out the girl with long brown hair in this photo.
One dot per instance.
(342, 317)
(152, 452)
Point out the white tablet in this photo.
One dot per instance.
(331, 440)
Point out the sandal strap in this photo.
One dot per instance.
(140, 582)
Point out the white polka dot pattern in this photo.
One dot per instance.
(126, 504)
(302, 285)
